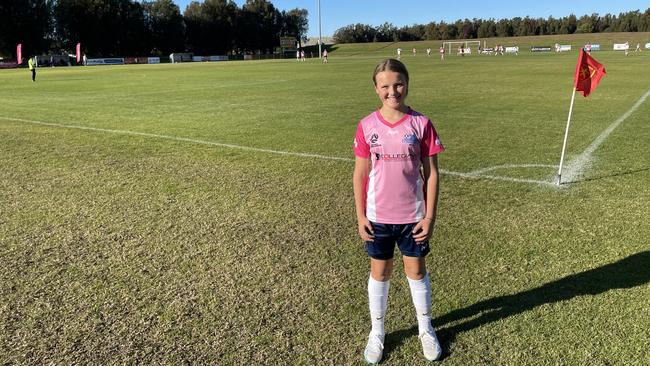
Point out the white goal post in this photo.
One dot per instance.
(452, 46)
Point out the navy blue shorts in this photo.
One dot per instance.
(387, 235)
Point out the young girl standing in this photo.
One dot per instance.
(395, 192)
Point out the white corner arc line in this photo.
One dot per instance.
(509, 166)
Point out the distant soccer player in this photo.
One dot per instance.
(325, 56)
(32, 68)
(396, 202)
(442, 53)
(429, 51)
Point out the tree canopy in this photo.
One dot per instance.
(633, 21)
(149, 27)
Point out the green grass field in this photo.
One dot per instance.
(164, 214)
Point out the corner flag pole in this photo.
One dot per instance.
(566, 136)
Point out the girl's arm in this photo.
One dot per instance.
(423, 229)
(359, 183)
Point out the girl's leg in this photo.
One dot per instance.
(378, 284)
(415, 267)
(381, 269)
(418, 278)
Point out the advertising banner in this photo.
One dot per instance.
(647, 46)
(564, 47)
(104, 61)
(153, 60)
(209, 58)
(540, 49)
(621, 46)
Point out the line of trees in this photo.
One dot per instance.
(149, 27)
(633, 21)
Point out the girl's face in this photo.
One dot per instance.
(391, 87)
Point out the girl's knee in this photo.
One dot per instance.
(381, 270)
(416, 275)
(381, 276)
(415, 269)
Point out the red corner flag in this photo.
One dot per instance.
(588, 73)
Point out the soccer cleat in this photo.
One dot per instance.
(374, 349)
(430, 345)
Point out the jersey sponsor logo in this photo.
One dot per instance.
(438, 143)
(395, 157)
(410, 139)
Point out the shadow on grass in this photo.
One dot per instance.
(626, 273)
(619, 174)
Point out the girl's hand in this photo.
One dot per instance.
(423, 230)
(365, 229)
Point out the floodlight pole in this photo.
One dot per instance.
(320, 52)
(566, 135)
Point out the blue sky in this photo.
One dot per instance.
(338, 13)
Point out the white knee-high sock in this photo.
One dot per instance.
(421, 295)
(378, 301)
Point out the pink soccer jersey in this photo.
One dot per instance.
(395, 187)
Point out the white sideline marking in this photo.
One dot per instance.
(573, 170)
(474, 175)
(576, 168)
(176, 138)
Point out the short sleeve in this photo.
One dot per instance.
(361, 147)
(431, 144)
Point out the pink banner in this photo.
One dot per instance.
(19, 53)
(78, 52)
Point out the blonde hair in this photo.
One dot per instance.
(390, 64)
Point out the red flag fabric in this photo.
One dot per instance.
(588, 73)
(19, 53)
